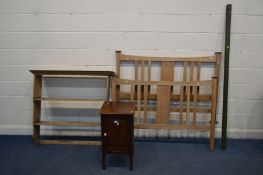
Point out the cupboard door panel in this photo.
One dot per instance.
(116, 135)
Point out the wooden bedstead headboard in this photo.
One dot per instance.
(175, 98)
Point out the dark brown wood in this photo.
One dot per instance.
(117, 108)
(117, 129)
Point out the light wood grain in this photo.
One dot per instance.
(213, 113)
(218, 57)
(118, 63)
(132, 93)
(139, 101)
(174, 97)
(185, 102)
(187, 105)
(164, 83)
(198, 74)
(181, 104)
(209, 59)
(195, 105)
(142, 70)
(164, 93)
(37, 100)
(149, 74)
(70, 142)
(171, 126)
(145, 105)
(37, 106)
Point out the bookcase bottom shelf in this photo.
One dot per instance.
(69, 142)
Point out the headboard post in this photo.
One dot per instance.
(115, 87)
(217, 64)
(118, 57)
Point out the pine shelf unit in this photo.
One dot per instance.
(37, 99)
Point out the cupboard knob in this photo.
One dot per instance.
(105, 134)
(116, 122)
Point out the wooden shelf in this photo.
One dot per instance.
(37, 99)
(72, 72)
(69, 142)
(67, 123)
(68, 99)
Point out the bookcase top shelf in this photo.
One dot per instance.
(72, 72)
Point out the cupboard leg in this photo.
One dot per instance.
(103, 161)
(131, 162)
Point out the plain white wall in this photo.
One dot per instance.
(83, 34)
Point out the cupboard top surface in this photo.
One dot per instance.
(117, 108)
